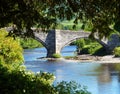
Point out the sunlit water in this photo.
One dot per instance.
(99, 78)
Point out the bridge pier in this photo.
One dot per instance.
(54, 41)
(52, 51)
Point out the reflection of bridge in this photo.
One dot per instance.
(54, 41)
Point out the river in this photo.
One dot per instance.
(99, 78)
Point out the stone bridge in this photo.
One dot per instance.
(54, 41)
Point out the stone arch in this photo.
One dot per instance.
(48, 41)
(72, 41)
(97, 40)
(54, 41)
(41, 41)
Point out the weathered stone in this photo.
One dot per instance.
(54, 41)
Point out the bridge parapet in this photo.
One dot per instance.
(54, 41)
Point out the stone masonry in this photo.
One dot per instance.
(54, 41)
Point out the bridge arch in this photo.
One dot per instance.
(48, 41)
(72, 41)
(54, 41)
(41, 41)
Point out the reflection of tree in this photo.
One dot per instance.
(106, 79)
(106, 69)
(105, 74)
(117, 68)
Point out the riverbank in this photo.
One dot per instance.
(95, 59)
(87, 58)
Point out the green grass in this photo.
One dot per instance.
(68, 25)
(56, 55)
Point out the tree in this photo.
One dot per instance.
(45, 13)
(24, 14)
(101, 13)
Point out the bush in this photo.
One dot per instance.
(93, 48)
(70, 88)
(101, 52)
(84, 50)
(10, 49)
(87, 46)
(80, 44)
(24, 82)
(29, 43)
(56, 55)
(117, 52)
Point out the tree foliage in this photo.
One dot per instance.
(20, 81)
(10, 49)
(44, 13)
(71, 88)
(101, 13)
(24, 14)
(28, 43)
(117, 52)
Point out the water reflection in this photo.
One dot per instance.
(103, 81)
(99, 78)
(105, 75)
(108, 80)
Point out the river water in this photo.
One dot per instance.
(99, 78)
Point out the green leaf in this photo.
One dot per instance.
(117, 26)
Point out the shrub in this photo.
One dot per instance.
(10, 49)
(80, 44)
(24, 82)
(86, 46)
(91, 49)
(29, 43)
(84, 50)
(94, 47)
(70, 88)
(117, 52)
(56, 55)
(101, 52)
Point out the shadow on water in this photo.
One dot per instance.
(99, 78)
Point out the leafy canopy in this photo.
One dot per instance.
(45, 13)
(101, 13)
